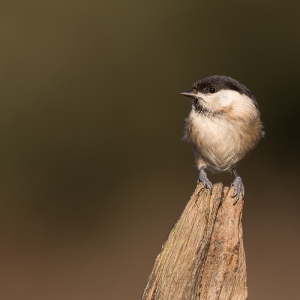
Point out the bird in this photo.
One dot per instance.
(224, 126)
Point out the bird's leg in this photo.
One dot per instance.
(238, 187)
(203, 178)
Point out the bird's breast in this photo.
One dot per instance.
(221, 144)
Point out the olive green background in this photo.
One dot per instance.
(94, 172)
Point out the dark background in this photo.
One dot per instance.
(94, 172)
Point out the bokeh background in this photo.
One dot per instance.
(94, 172)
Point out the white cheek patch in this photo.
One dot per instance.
(239, 104)
(226, 97)
(222, 98)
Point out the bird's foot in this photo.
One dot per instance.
(238, 189)
(203, 178)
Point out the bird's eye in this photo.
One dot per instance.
(212, 90)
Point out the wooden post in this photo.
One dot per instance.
(203, 257)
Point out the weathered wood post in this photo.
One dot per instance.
(203, 256)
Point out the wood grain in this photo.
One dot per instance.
(203, 256)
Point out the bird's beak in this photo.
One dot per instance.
(188, 94)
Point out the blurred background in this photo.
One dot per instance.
(94, 172)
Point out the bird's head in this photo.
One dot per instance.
(221, 95)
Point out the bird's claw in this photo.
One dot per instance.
(203, 178)
(238, 189)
